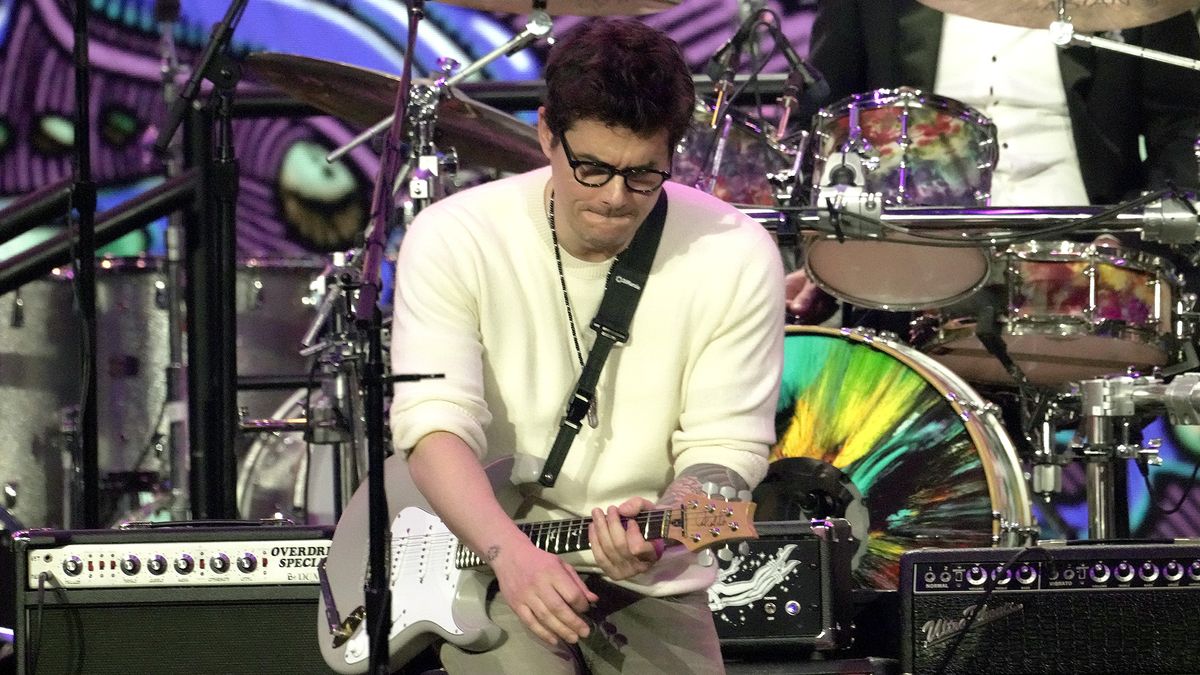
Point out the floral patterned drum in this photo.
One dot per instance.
(1074, 311)
(917, 150)
(735, 161)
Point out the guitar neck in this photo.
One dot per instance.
(570, 535)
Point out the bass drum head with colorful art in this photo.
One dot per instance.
(928, 458)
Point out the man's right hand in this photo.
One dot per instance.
(544, 592)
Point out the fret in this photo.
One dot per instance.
(570, 535)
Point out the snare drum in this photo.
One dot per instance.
(919, 150)
(734, 162)
(1074, 311)
(928, 455)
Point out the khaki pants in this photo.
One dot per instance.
(630, 633)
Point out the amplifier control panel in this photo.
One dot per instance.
(1075, 574)
(192, 563)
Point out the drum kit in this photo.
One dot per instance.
(896, 434)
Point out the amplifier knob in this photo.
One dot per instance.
(1148, 572)
(73, 566)
(976, 576)
(1123, 572)
(1026, 574)
(247, 563)
(219, 563)
(156, 565)
(130, 565)
(1173, 571)
(1002, 575)
(184, 564)
(1194, 570)
(1099, 573)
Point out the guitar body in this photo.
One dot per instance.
(435, 590)
(431, 598)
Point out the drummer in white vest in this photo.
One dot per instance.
(1075, 126)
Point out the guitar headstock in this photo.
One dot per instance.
(703, 521)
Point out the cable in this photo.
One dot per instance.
(1144, 469)
(982, 602)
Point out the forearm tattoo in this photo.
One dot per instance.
(692, 479)
(491, 554)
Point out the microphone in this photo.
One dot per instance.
(724, 63)
(804, 82)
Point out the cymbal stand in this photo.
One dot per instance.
(335, 419)
(1062, 32)
(539, 25)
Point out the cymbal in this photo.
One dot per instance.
(482, 135)
(570, 7)
(1088, 16)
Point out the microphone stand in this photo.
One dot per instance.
(83, 203)
(376, 588)
(175, 408)
(211, 268)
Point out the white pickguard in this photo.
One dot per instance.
(424, 578)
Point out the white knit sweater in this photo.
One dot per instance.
(478, 298)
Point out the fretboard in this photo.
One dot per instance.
(570, 535)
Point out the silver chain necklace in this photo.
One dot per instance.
(593, 419)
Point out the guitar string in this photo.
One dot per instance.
(542, 528)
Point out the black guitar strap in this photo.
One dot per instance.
(622, 291)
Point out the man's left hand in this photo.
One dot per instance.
(619, 547)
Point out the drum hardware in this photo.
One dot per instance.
(539, 26)
(1063, 33)
(1108, 409)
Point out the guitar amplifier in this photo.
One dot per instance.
(230, 599)
(1091, 608)
(790, 588)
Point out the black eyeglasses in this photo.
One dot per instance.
(595, 174)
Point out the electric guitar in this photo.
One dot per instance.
(436, 588)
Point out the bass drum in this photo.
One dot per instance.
(928, 458)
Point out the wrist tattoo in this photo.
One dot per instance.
(678, 489)
(491, 554)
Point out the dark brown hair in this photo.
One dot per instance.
(621, 73)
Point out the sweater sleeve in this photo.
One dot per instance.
(435, 330)
(732, 384)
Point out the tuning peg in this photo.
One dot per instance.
(725, 554)
(745, 495)
(728, 491)
(744, 548)
(706, 558)
(709, 488)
